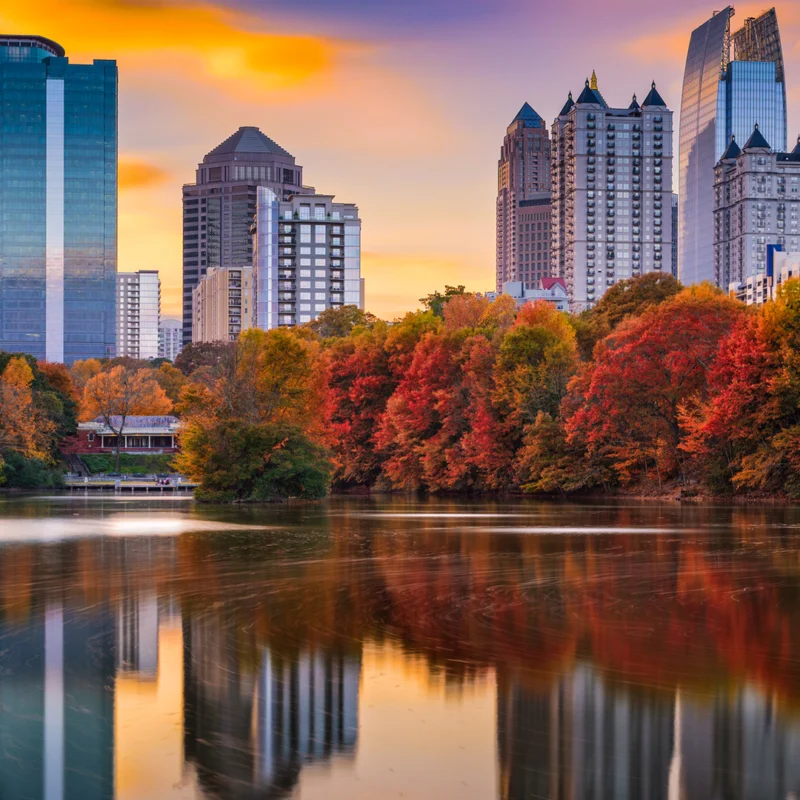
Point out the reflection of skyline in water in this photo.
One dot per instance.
(587, 738)
(618, 659)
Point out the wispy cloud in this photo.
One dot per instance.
(213, 41)
(139, 173)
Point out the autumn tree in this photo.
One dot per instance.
(746, 435)
(119, 394)
(628, 409)
(197, 355)
(628, 298)
(251, 428)
(170, 379)
(414, 412)
(357, 382)
(439, 431)
(336, 323)
(82, 372)
(24, 428)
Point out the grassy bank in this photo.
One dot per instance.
(129, 464)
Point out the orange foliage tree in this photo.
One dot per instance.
(119, 394)
(23, 426)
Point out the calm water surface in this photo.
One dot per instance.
(370, 649)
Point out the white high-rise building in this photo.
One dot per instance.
(756, 204)
(138, 313)
(307, 257)
(612, 192)
(170, 338)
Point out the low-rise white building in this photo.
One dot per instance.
(553, 290)
(763, 286)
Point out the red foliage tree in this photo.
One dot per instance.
(357, 383)
(642, 375)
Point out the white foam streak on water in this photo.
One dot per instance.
(432, 515)
(588, 530)
(55, 528)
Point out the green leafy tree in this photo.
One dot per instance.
(234, 460)
(337, 323)
(437, 301)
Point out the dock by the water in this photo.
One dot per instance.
(129, 487)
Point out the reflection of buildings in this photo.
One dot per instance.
(583, 738)
(587, 738)
(57, 701)
(249, 729)
(137, 645)
(733, 746)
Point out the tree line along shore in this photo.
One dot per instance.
(659, 390)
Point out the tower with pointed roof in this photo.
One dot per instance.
(611, 192)
(730, 80)
(523, 202)
(756, 210)
(218, 208)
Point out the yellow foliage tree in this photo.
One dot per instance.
(82, 372)
(121, 393)
(171, 380)
(23, 427)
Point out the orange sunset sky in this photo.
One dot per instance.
(399, 107)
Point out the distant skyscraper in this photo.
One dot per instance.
(675, 235)
(307, 259)
(523, 202)
(723, 97)
(223, 305)
(757, 204)
(218, 208)
(170, 338)
(612, 192)
(138, 313)
(58, 202)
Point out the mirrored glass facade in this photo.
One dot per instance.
(721, 98)
(750, 93)
(58, 202)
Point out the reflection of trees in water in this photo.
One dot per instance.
(716, 594)
(578, 626)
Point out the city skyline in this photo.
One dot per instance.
(398, 84)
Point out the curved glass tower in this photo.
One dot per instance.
(58, 202)
(723, 97)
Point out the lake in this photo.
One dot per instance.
(384, 648)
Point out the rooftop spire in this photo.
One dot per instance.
(757, 140)
(593, 84)
(732, 151)
(567, 106)
(653, 97)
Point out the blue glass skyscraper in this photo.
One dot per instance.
(731, 82)
(58, 202)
